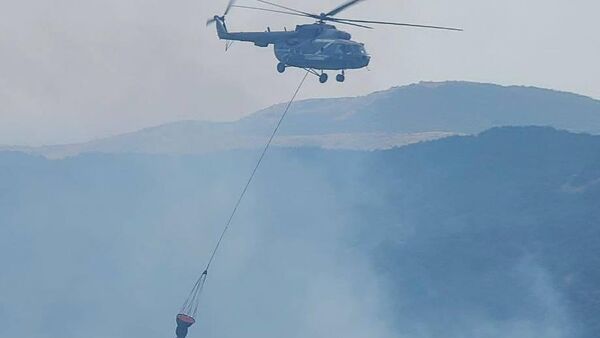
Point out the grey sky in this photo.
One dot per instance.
(75, 70)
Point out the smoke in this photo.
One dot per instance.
(103, 246)
(326, 243)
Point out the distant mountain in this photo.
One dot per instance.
(382, 120)
(459, 107)
(490, 235)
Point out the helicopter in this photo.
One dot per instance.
(316, 47)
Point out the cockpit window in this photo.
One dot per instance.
(356, 49)
(350, 49)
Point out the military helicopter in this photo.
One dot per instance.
(315, 47)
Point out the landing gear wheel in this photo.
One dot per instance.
(340, 78)
(281, 67)
(323, 78)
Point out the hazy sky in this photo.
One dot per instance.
(75, 70)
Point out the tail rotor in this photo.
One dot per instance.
(214, 19)
(222, 17)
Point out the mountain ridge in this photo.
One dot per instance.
(381, 120)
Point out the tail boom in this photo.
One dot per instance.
(261, 39)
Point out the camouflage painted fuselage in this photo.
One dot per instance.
(315, 46)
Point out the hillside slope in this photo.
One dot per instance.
(491, 235)
(383, 120)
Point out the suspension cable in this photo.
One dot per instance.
(191, 304)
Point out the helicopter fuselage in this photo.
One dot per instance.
(317, 46)
(322, 54)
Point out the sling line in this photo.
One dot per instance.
(190, 306)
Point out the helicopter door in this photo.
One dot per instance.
(319, 50)
(324, 46)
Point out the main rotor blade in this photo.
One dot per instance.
(271, 10)
(210, 21)
(401, 24)
(289, 9)
(343, 7)
(347, 23)
(296, 14)
(229, 5)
